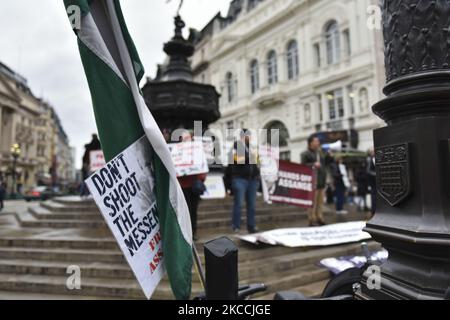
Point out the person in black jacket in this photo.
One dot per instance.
(371, 179)
(245, 181)
(313, 157)
(2, 195)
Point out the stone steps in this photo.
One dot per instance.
(71, 256)
(27, 220)
(98, 287)
(108, 243)
(61, 208)
(42, 213)
(67, 231)
(217, 214)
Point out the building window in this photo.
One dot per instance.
(351, 98)
(231, 89)
(333, 42)
(252, 4)
(283, 133)
(285, 155)
(254, 75)
(292, 60)
(317, 59)
(272, 67)
(335, 104)
(347, 43)
(319, 104)
(363, 100)
(230, 125)
(307, 110)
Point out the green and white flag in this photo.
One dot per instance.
(113, 70)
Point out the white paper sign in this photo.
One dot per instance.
(215, 188)
(124, 192)
(314, 236)
(189, 158)
(97, 160)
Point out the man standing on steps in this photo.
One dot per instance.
(314, 158)
(245, 181)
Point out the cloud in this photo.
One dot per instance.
(37, 42)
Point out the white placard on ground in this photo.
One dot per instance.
(314, 236)
(124, 192)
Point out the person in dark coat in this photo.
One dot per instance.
(245, 181)
(340, 187)
(361, 180)
(313, 157)
(191, 194)
(371, 179)
(2, 195)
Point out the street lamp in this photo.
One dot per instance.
(15, 153)
(413, 154)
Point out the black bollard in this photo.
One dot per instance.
(221, 260)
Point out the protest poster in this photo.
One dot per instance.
(340, 264)
(291, 184)
(215, 187)
(96, 160)
(123, 191)
(313, 236)
(189, 158)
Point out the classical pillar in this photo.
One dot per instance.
(412, 153)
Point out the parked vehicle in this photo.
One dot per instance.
(41, 193)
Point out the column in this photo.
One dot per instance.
(412, 153)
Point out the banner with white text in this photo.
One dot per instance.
(124, 191)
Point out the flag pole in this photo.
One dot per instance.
(198, 266)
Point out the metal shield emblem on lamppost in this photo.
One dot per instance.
(392, 167)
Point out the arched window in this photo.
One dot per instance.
(363, 100)
(231, 89)
(292, 60)
(333, 43)
(272, 67)
(283, 133)
(307, 113)
(254, 75)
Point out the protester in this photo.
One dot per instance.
(85, 170)
(371, 179)
(193, 187)
(245, 181)
(361, 180)
(314, 158)
(341, 183)
(2, 195)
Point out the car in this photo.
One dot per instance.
(40, 193)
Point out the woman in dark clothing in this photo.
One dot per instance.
(361, 180)
(190, 190)
(339, 185)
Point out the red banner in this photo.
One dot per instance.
(293, 184)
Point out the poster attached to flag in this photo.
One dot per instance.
(124, 191)
(189, 158)
(113, 71)
(96, 160)
(292, 184)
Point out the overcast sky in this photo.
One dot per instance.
(36, 40)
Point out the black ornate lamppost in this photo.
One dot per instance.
(15, 153)
(413, 153)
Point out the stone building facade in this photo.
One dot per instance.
(301, 66)
(34, 126)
